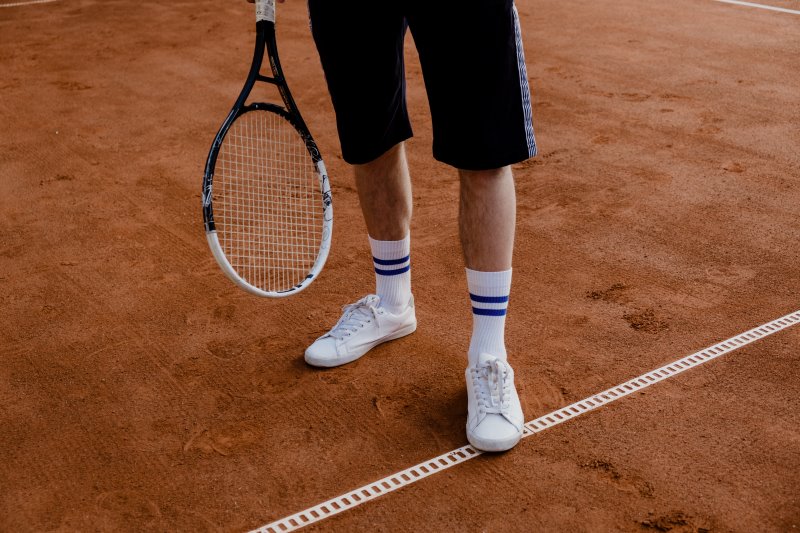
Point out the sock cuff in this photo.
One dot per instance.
(488, 292)
(489, 284)
(391, 258)
(390, 250)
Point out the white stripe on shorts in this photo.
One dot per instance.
(524, 88)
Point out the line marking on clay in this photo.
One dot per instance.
(28, 3)
(760, 6)
(450, 459)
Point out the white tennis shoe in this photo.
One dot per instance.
(364, 325)
(494, 414)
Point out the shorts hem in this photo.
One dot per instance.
(462, 163)
(362, 157)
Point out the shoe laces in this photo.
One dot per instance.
(491, 382)
(355, 316)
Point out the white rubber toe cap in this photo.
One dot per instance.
(494, 434)
(324, 353)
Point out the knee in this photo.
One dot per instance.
(392, 157)
(482, 176)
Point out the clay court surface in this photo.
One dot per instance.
(141, 391)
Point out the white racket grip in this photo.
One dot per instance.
(265, 10)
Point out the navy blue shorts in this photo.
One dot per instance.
(472, 63)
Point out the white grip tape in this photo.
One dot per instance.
(265, 10)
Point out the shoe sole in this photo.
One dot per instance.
(331, 363)
(493, 445)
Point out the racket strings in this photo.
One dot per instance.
(267, 204)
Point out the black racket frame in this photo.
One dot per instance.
(265, 42)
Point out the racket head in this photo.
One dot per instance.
(267, 202)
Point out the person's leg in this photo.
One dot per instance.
(384, 192)
(487, 216)
(476, 79)
(360, 43)
(487, 213)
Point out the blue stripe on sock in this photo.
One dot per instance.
(393, 272)
(488, 312)
(391, 261)
(488, 299)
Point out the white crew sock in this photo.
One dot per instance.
(488, 292)
(392, 263)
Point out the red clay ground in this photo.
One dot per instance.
(139, 390)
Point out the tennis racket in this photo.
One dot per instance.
(266, 196)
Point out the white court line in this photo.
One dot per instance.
(760, 6)
(443, 462)
(29, 2)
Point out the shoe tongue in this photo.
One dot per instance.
(361, 308)
(485, 358)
